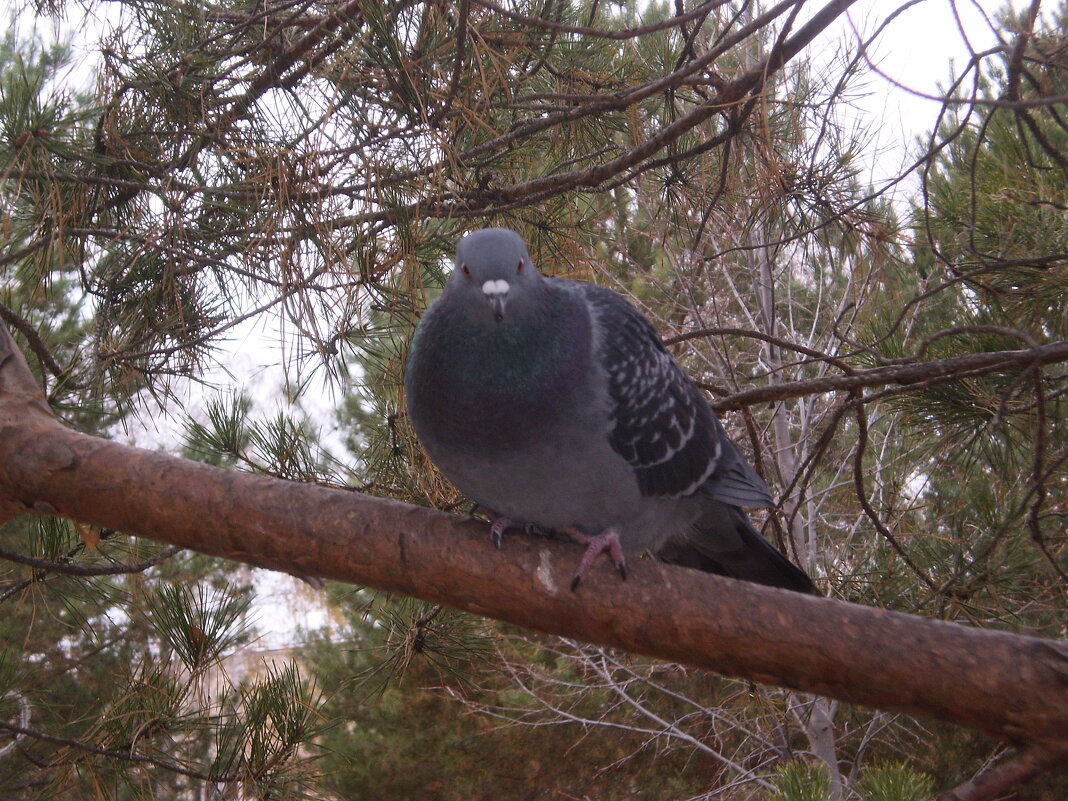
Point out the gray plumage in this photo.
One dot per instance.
(555, 403)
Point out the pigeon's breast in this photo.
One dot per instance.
(518, 418)
(498, 389)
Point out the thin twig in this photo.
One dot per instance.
(113, 754)
(862, 496)
(65, 568)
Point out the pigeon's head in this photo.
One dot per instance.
(493, 266)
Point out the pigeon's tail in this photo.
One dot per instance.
(724, 542)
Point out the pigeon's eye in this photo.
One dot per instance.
(465, 271)
(519, 269)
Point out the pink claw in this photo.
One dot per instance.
(605, 542)
(498, 524)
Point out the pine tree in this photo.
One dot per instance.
(308, 169)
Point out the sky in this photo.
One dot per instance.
(914, 57)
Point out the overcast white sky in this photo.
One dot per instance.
(913, 57)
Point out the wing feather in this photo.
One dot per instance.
(660, 423)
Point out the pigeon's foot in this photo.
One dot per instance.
(605, 542)
(498, 524)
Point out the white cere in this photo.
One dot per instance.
(495, 287)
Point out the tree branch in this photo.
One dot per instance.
(126, 755)
(602, 33)
(936, 371)
(66, 568)
(1012, 687)
(33, 339)
(1002, 778)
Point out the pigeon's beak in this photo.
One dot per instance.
(497, 304)
(496, 293)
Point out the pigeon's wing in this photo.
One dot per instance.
(659, 422)
(723, 541)
(735, 481)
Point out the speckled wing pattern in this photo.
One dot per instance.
(660, 424)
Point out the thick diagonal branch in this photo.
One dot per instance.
(1012, 687)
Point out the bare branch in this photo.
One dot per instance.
(1003, 778)
(938, 371)
(66, 568)
(126, 756)
(862, 496)
(33, 339)
(601, 33)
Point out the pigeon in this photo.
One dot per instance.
(554, 405)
